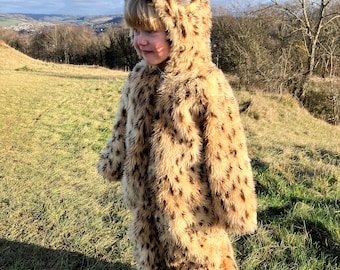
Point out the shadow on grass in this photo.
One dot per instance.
(321, 237)
(15, 255)
(282, 222)
(323, 241)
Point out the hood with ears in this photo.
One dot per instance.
(188, 23)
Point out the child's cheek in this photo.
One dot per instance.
(136, 48)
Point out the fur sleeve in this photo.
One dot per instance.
(110, 164)
(229, 171)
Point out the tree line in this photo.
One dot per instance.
(276, 47)
(79, 45)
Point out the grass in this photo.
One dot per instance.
(9, 22)
(57, 213)
(296, 161)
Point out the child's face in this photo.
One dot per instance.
(151, 45)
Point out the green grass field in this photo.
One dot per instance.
(57, 213)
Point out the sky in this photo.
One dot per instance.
(73, 7)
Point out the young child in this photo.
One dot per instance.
(178, 145)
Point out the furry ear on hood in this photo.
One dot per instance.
(188, 23)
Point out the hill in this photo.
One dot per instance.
(57, 213)
(13, 60)
(29, 22)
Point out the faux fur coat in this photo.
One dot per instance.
(179, 149)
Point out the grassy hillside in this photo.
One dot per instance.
(30, 20)
(9, 19)
(57, 213)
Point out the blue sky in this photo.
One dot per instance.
(73, 7)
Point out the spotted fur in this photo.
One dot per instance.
(179, 149)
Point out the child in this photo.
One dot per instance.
(178, 145)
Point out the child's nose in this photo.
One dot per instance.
(141, 39)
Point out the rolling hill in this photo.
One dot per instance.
(28, 22)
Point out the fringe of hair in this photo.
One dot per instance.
(141, 14)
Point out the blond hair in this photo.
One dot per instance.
(141, 14)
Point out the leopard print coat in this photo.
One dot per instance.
(179, 149)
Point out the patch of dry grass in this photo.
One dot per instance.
(285, 136)
(54, 120)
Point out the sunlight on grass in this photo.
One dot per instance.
(54, 121)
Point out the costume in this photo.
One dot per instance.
(179, 149)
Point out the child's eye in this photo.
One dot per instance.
(136, 31)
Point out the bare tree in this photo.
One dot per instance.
(249, 44)
(225, 55)
(119, 51)
(308, 18)
(330, 47)
(14, 39)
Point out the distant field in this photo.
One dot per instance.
(9, 19)
(57, 213)
(9, 22)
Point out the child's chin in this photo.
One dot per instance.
(151, 63)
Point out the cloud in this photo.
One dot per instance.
(104, 6)
(30, 6)
(82, 7)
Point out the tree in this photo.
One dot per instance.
(67, 44)
(119, 52)
(247, 44)
(127, 51)
(15, 40)
(309, 19)
(224, 54)
(330, 48)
